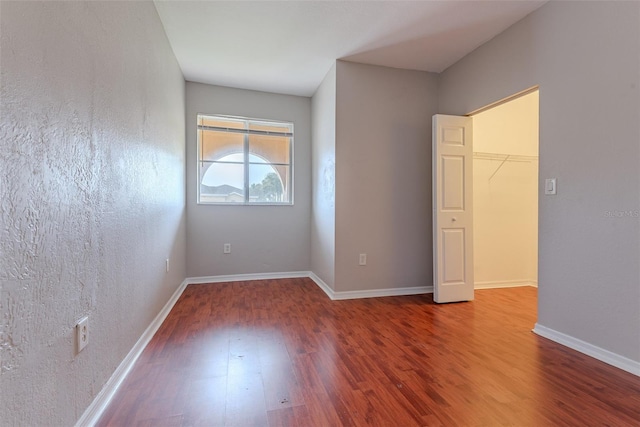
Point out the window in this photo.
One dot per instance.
(244, 161)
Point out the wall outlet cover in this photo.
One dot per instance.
(82, 334)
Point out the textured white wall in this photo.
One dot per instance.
(323, 221)
(505, 195)
(263, 239)
(383, 177)
(91, 193)
(584, 56)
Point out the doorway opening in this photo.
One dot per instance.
(501, 142)
(505, 193)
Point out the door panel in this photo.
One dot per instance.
(453, 257)
(452, 208)
(453, 176)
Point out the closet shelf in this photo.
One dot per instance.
(503, 157)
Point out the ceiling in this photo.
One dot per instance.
(288, 46)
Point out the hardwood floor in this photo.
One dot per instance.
(281, 353)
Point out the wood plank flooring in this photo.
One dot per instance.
(280, 353)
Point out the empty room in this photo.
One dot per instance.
(320, 213)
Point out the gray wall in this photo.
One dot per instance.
(263, 239)
(91, 194)
(585, 57)
(323, 215)
(383, 177)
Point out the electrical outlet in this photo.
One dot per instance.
(82, 334)
(363, 259)
(226, 248)
(167, 265)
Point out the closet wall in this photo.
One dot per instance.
(505, 194)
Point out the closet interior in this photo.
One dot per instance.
(505, 194)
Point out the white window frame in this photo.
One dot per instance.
(246, 152)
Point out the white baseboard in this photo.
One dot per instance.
(93, 413)
(601, 354)
(376, 293)
(495, 284)
(372, 293)
(244, 277)
(322, 285)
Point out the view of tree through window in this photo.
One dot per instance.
(244, 161)
(269, 190)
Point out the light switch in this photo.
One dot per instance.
(550, 186)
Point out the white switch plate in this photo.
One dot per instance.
(167, 265)
(226, 248)
(363, 259)
(550, 186)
